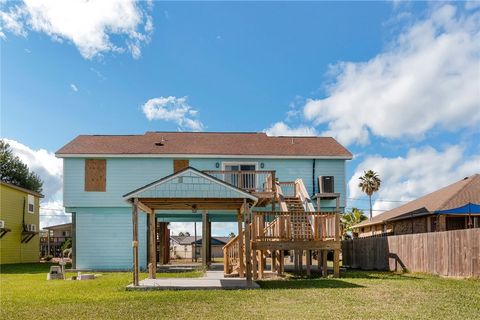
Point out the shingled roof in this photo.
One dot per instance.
(452, 196)
(204, 143)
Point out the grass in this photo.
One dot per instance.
(25, 293)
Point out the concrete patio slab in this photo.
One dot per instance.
(212, 280)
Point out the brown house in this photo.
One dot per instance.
(456, 206)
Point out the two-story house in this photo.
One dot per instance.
(19, 223)
(179, 176)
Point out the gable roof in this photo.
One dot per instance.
(452, 196)
(198, 144)
(59, 226)
(181, 190)
(33, 193)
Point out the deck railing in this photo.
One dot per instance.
(231, 254)
(294, 226)
(251, 181)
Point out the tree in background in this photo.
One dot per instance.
(187, 234)
(370, 183)
(231, 235)
(352, 218)
(14, 171)
(181, 234)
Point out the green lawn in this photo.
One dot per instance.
(357, 295)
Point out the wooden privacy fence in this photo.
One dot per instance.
(450, 253)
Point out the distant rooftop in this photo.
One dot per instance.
(452, 196)
(204, 143)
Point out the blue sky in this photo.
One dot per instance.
(397, 83)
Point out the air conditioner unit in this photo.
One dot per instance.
(31, 227)
(2, 224)
(326, 184)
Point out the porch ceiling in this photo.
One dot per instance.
(193, 204)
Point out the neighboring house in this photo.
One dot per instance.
(19, 223)
(184, 247)
(456, 206)
(53, 238)
(100, 172)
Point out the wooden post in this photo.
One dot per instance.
(204, 239)
(319, 261)
(153, 245)
(240, 245)
(161, 247)
(135, 241)
(442, 222)
(273, 258)
(248, 256)
(336, 252)
(309, 262)
(281, 262)
(325, 263)
(48, 242)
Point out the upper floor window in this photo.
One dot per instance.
(95, 175)
(31, 203)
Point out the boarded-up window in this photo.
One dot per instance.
(179, 165)
(95, 174)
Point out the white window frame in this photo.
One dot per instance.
(30, 200)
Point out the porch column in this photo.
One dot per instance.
(240, 244)
(135, 241)
(248, 252)
(442, 222)
(152, 271)
(204, 239)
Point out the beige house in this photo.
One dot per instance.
(183, 247)
(455, 206)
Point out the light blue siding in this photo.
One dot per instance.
(127, 174)
(104, 238)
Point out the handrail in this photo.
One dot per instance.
(248, 180)
(281, 199)
(293, 226)
(301, 192)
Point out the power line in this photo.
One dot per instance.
(381, 200)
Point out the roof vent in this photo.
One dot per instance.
(161, 143)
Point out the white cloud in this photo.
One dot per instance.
(427, 78)
(282, 129)
(421, 171)
(173, 109)
(89, 25)
(73, 87)
(50, 170)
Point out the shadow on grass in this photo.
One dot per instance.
(383, 275)
(25, 268)
(307, 284)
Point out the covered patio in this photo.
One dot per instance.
(188, 196)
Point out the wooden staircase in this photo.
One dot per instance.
(297, 226)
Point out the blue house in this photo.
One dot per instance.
(287, 189)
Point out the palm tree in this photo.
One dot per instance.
(352, 218)
(370, 183)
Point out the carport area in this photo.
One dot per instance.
(188, 196)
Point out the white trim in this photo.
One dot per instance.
(238, 163)
(213, 180)
(194, 156)
(30, 201)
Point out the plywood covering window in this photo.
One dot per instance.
(179, 165)
(95, 175)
